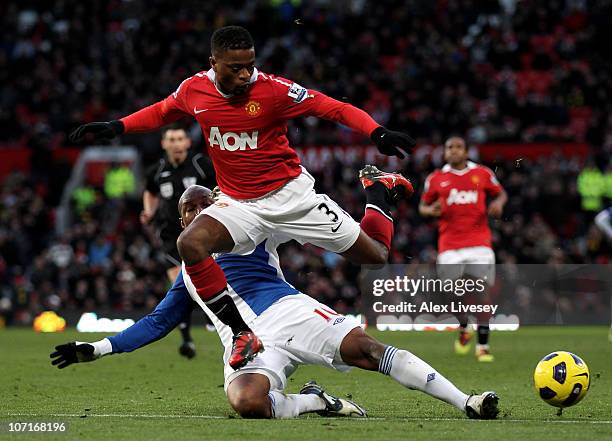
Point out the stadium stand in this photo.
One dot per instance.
(436, 68)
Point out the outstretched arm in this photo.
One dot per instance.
(154, 326)
(154, 116)
(389, 142)
(166, 316)
(148, 119)
(293, 100)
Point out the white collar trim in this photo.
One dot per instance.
(212, 77)
(470, 166)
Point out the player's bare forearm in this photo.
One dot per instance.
(150, 203)
(423, 209)
(496, 207)
(429, 210)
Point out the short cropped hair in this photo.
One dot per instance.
(173, 126)
(230, 37)
(457, 137)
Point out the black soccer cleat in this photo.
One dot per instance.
(483, 406)
(334, 407)
(187, 350)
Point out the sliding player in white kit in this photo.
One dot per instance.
(298, 330)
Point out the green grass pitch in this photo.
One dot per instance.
(154, 394)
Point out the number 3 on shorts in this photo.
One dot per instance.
(325, 209)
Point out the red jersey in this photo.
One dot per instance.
(462, 194)
(247, 134)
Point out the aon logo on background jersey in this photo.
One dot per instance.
(232, 141)
(462, 197)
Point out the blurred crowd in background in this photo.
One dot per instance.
(108, 260)
(493, 71)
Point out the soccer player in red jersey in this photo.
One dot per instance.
(457, 195)
(243, 114)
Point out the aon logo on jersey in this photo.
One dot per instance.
(232, 141)
(462, 197)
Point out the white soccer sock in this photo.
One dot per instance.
(293, 405)
(412, 372)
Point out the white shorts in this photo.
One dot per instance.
(477, 262)
(294, 211)
(296, 330)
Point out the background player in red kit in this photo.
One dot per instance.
(457, 195)
(264, 189)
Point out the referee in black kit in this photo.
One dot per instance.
(166, 181)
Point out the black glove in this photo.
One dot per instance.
(73, 352)
(389, 142)
(99, 130)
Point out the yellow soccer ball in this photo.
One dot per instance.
(562, 379)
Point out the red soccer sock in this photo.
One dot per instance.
(207, 277)
(378, 226)
(210, 283)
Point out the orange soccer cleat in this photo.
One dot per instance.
(245, 347)
(397, 185)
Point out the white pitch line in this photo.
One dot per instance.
(217, 417)
(503, 420)
(115, 415)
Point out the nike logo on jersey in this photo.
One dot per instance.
(336, 229)
(165, 174)
(444, 184)
(196, 111)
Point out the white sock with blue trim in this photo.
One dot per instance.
(293, 405)
(412, 372)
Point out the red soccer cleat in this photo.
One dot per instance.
(245, 347)
(397, 185)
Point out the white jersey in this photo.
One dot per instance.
(294, 328)
(255, 282)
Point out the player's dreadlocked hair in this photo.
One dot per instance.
(230, 37)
